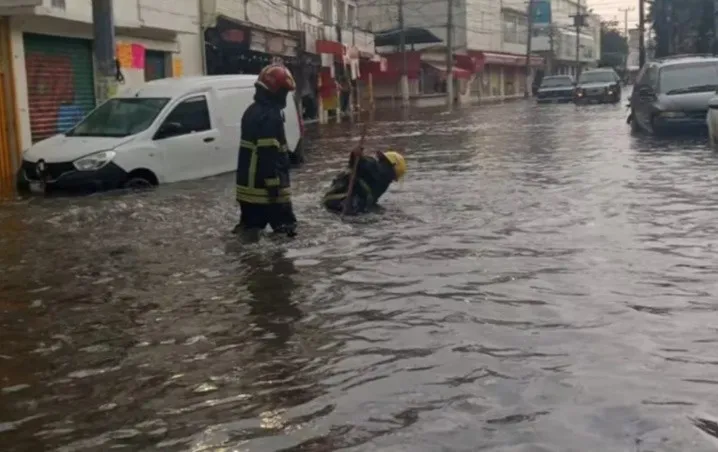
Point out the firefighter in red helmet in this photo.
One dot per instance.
(263, 188)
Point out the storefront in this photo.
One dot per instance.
(234, 47)
(504, 73)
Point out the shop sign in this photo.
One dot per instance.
(275, 44)
(233, 35)
(259, 41)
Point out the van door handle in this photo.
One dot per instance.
(208, 139)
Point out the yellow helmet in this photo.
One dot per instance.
(397, 160)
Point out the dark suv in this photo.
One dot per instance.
(672, 93)
(598, 85)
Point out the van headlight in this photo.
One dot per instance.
(95, 161)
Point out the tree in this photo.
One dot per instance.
(614, 46)
(684, 29)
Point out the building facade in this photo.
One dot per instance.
(489, 41)
(554, 36)
(314, 38)
(49, 72)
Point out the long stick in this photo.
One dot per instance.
(353, 176)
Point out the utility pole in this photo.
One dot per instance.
(103, 34)
(402, 48)
(579, 21)
(641, 33)
(625, 12)
(551, 46)
(530, 22)
(450, 55)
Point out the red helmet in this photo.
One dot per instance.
(275, 78)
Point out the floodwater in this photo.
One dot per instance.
(542, 281)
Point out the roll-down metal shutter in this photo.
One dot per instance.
(60, 83)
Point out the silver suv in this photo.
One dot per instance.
(672, 94)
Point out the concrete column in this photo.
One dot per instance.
(103, 26)
(502, 83)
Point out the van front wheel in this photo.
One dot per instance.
(297, 157)
(140, 180)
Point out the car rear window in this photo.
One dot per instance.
(597, 77)
(686, 78)
(552, 82)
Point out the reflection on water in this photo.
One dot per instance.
(542, 281)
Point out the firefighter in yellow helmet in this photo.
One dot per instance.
(263, 188)
(373, 176)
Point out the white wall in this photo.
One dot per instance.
(186, 46)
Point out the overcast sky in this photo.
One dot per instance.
(611, 10)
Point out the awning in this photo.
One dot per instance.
(332, 47)
(457, 71)
(470, 63)
(505, 59)
(413, 35)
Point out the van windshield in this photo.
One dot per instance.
(120, 117)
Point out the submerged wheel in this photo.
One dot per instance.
(140, 180)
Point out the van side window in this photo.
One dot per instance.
(192, 114)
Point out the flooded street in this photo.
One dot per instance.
(541, 281)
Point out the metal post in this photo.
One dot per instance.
(450, 54)
(530, 21)
(402, 48)
(579, 22)
(625, 12)
(551, 37)
(103, 26)
(641, 33)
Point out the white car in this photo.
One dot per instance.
(165, 131)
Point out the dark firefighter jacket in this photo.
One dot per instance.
(374, 175)
(263, 164)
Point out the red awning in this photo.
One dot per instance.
(394, 64)
(333, 47)
(457, 71)
(504, 59)
(468, 62)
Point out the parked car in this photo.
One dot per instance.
(598, 85)
(556, 88)
(672, 94)
(165, 131)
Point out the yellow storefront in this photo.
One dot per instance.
(9, 144)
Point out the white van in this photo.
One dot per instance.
(167, 130)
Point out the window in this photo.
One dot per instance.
(351, 15)
(192, 114)
(155, 65)
(308, 6)
(689, 78)
(598, 77)
(509, 28)
(341, 12)
(58, 4)
(327, 12)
